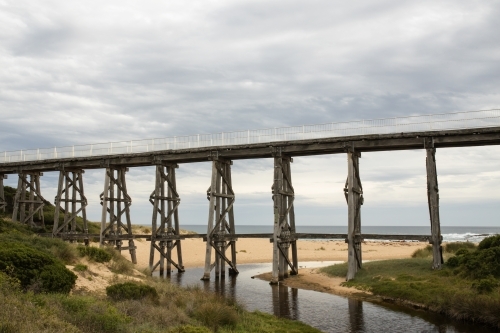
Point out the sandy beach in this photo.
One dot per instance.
(260, 251)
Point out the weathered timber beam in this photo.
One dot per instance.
(421, 238)
(334, 145)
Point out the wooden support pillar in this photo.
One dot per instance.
(433, 201)
(28, 201)
(220, 231)
(284, 219)
(70, 183)
(113, 197)
(165, 235)
(3, 203)
(353, 192)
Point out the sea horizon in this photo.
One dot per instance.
(449, 233)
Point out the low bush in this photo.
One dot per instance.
(55, 247)
(13, 227)
(215, 315)
(485, 286)
(36, 270)
(489, 242)
(94, 253)
(90, 314)
(480, 264)
(131, 290)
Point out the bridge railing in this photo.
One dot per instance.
(434, 122)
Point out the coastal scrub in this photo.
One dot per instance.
(469, 289)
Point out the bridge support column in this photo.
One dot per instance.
(433, 201)
(220, 232)
(353, 191)
(165, 237)
(3, 203)
(70, 192)
(33, 204)
(284, 220)
(115, 192)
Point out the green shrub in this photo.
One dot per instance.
(484, 286)
(489, 242)
(216, 314)
(92, 315)
(8, 226)
(36, 270)
(94, 253)
(453, 261)
(55, 247)
(481, 263)
(461, 252)
(62, 250)
(131, 290)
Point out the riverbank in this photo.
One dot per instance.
(411, 282)
(467, 288)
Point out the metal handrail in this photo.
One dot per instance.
(418, 123)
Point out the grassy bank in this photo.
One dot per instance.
(450, 291)
(153, 306)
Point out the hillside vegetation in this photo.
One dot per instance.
(35, 295)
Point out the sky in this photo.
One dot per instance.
(100, 71)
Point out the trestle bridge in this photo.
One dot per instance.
(429, 132)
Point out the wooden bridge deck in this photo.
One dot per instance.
(361, 143)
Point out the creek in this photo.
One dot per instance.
(329, 313)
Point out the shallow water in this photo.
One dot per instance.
(329, 313)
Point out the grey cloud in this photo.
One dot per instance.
(76, 74)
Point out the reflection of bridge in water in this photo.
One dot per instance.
(430, 132)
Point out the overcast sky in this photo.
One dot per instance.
(99, 71)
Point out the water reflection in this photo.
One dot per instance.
(285, 301)
(356, 315)
(326, 312)
(225, 287)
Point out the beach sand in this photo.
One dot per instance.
(259, 251)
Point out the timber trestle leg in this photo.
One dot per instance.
(220, 231)
(3, 203)
(165, 237)
(28, 201)
(284, 220)
(433, 201)
(353, 192)
(70, 193)
(115, 203)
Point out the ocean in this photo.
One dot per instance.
(450, 234)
